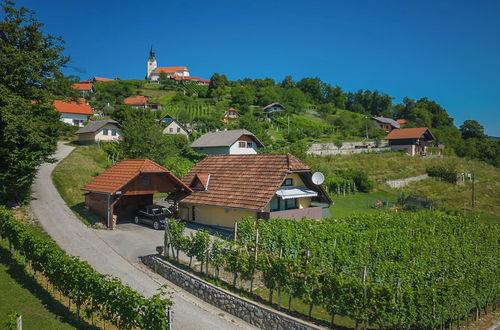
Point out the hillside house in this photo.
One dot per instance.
(101, 130)
(229, 114)
(101, 79)
(273, 107)
(387, 124)
(116, 194)
(228, 187)
(232, 142)
(413, 141)
(172, 126)
(84, 87)
(73, 113)
(141, 102)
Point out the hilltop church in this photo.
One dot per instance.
(153, 72)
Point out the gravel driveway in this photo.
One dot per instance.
(116, 252)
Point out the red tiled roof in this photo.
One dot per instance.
(81, 107)
(406, 133)
(171, 69)
(401, 121)
(82, 86)
(102, 79)
(136, 100)
(115, 177)
(242, 181)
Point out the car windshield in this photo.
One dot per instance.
(157, 211)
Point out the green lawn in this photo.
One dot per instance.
(21, 293)
(76, 170)
(359, 203)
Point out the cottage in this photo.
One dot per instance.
(172, 126)
(387, 124)
(413, 141)
(228, 187)
(273, 107)
(141, 102)
(231, 113)
(117, 193)
(101, 79)
(232, 142)
(84, 87)
(101, 130)
(73, 113)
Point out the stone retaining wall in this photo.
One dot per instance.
(324, 149)
(399, 183)
(247, 310)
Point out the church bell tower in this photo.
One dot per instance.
(151, 63)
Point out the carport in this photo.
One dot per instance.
(117, 193)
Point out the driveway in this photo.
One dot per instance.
(115, 253)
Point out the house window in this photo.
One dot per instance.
(241, 144)
(249, 144)
(105, 131)
(290, 204)
(113, 132)
(275, 204)
(145, 179)
(288, 182)
(171, 130)
(178, 129)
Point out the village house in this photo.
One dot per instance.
(73, 113)
(101, 79)
(387, 124)
(228, 187)
(172, 126)
(273, 107)
(84, 87)
(231, 113)
(119, 192)
(232, 142)
(100, 130)
(141, 102)
(413, 141)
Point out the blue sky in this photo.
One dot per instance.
(448, 51)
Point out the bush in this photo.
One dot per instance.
(445, 174)
(361, 180)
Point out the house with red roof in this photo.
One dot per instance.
(119, 192)
(73, 113)
(413, 141)
(141, 102)
(84, 87)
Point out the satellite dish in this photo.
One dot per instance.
(318, 178)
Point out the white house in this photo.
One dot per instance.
(233, 142)
(73, 113)
(273, 107)
(172, 126)
(101, 130)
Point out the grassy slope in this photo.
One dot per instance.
(394, 165)
(76, 170)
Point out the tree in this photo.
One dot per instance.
(288, 83)
(267, 95)
(217, 86)
(311, 87)
(241, 95)
(30, 62)
(472, 129)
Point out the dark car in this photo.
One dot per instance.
(154, 215)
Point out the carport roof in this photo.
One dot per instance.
(115, 177)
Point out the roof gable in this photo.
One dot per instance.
(241, 181)
(223, 138)
(95, 126)
(385, 120)
(136, 100)
(118, 175)
(408, 133)
(170, 69)
(81, 107)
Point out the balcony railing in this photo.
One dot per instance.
(315, 212)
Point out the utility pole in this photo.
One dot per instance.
(473, 189)
(366, 127)
(288, 124)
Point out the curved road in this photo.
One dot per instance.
(89, 244)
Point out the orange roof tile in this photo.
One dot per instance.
(82, 86)
(115, 177)
(401, 121)
(136, 100)
(171, 69)
(81, 107)
(406, 133)
(102, 79)
(242, 181)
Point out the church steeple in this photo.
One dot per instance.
(151, 54)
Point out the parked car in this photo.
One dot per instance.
(154, 215)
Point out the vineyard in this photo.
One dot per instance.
(413, 270)
(188, 112)
(91, 292)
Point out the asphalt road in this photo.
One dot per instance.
(116, 252)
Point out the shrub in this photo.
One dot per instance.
(361, 180)
(445, 174)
